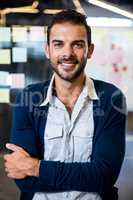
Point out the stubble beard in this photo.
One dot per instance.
(71, 77)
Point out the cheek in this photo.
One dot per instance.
(53, 56)
(81, 52)
(82, 55)
(54, 60)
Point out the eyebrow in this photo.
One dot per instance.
(78, 41)
(75, 41)
(56, 41)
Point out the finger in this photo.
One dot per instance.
(6, 169)
(16, 148)
(7, 157)
(13, 147)
(6, 164)
(9, 165)
(16, 175)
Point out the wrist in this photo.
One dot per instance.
(34, 167)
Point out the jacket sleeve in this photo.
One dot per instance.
(24, 135)
(99, 175)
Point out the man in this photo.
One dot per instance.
(68, 134)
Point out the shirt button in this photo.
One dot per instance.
(66, 195)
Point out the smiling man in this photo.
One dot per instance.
(69, 52)
(68, 137)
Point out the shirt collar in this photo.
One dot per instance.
(91, 89)
(88, 83)
(49, 93)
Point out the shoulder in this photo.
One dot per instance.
(107, 89)
(34, 93)
(38, 87)
(110, 95)
(102, 85)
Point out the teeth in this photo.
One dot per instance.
(68, 66)
(68, 63)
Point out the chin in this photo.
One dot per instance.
(69, 78)
(69, 75)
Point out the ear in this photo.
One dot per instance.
(47, 51)
(90, 50)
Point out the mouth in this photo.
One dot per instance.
(68, 66)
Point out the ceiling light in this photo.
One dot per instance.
(112, 8)
(109, 22)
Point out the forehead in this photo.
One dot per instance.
(68, 31)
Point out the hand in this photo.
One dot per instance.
(20, 164)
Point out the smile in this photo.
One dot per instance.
(68, 66)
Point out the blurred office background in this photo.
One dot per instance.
(23, 26)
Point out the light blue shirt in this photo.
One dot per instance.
(69, 139)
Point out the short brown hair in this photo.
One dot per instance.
(71, 16)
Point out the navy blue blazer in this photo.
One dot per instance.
(108, 149)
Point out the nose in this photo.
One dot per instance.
(68, 51)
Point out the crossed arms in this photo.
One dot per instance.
(99, 175)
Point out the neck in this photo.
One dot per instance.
(68, 92)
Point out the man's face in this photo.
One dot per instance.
(68, 50)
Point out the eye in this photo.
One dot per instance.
(78, 45)
(58, 45)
